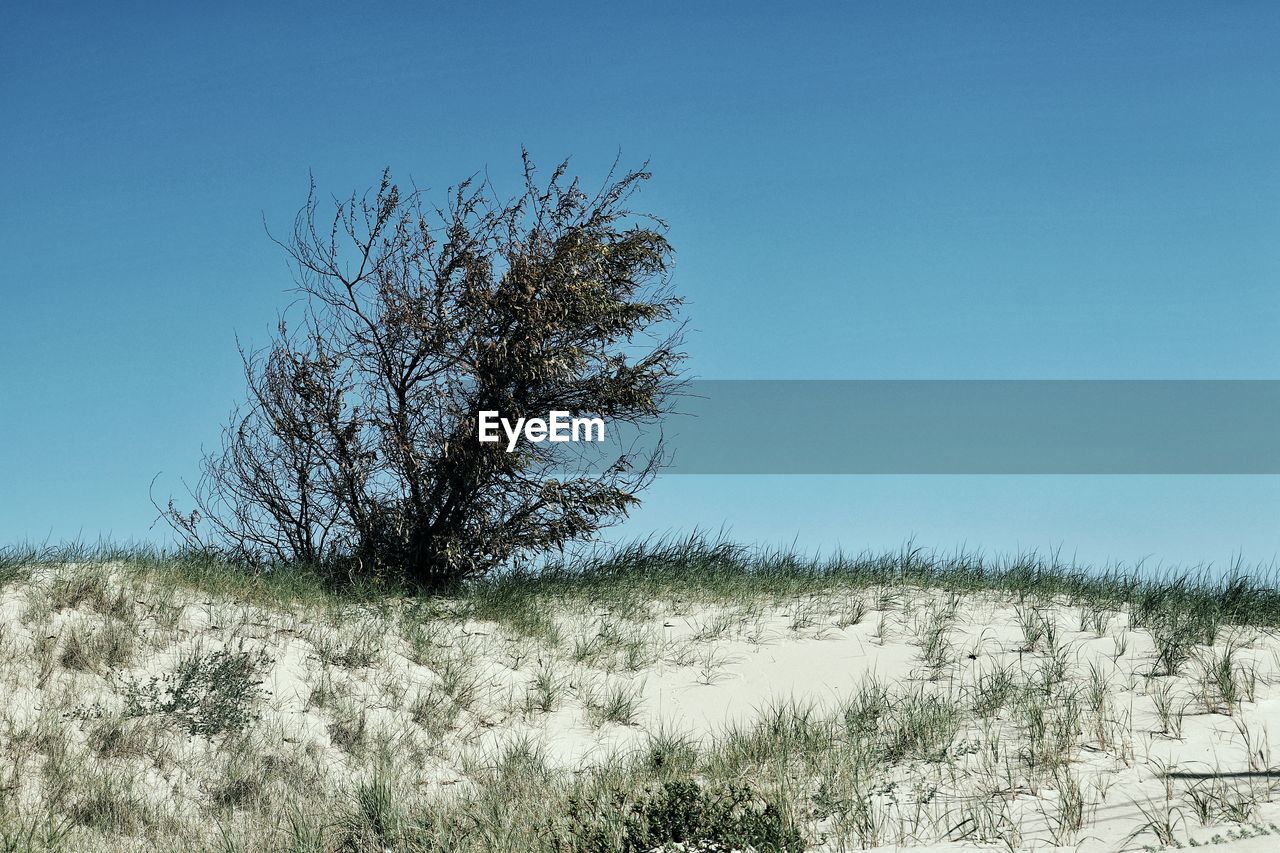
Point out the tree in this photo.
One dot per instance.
(357, 443)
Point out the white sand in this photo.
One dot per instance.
(694, 668)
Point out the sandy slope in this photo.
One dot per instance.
(431, 701)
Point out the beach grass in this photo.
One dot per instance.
(681, 691)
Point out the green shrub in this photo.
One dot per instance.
(733, 817)
(207, 694)
(679, 815)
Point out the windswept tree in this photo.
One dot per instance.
(357, 443)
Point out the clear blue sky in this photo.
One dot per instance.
(855, 190)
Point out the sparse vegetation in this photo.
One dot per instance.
(732, 817)
(357, 448)
(1007, 703)
(206, 693)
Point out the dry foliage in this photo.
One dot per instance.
(358, 444)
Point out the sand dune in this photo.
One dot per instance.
(143, 714)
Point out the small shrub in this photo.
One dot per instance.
(730, 818)
(207, 694)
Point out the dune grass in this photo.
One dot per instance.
(1189, 601)
(150, 720)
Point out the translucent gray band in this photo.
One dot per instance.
(973, 427)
